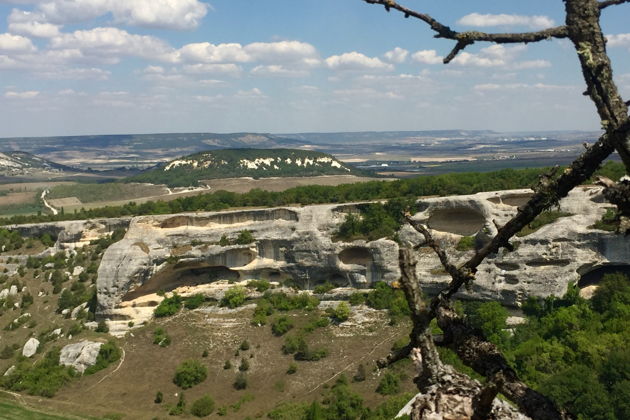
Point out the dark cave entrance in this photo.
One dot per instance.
(594, 276)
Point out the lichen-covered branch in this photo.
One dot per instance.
(605, 4)
(467, 38)
(585, 32)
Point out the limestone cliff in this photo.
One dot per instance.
(295, 244)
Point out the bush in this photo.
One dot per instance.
(102, 327)
(190, 373)
(304, 352)
(224, 241)
(259, 285)
(292, 369)
(240, 382)
(360, 375)
(466, 243)
(292, 344)
(43, 378)
(169, 306)
(227, 365)
(194, 301)
(160, 337)
(234, 297)
(244, 345)
(340, 314)
(245, 237)
(281, 326)
(159, 397)
(323, 288)
(108, 354)
(357, 299)
(180, 407)
(202, 407)
(389, 384)
(244, 366)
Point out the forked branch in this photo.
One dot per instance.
(467, 38)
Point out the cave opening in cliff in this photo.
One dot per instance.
(460, 221)
(173, 277)
(594, 276)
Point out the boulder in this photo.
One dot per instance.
(13, 291)
(30, 348)
(80, 355)
(10, 370)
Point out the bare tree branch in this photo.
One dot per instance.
(605, 4)
(465, 39)
(486, 359)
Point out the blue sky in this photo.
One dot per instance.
(142, 66)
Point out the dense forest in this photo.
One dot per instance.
(449, 184)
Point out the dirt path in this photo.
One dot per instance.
(48, 206)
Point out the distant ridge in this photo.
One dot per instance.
(18, 163)
(234, 163)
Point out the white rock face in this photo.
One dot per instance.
(30, 348)
(80, 355)
(13, 291)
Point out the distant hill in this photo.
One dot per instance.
(20, 163)
(234, 163)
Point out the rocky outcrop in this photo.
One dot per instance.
(73, 233)
(291, 244)
(30, 348)
(294, 245)
(80, 355)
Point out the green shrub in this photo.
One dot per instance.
(190, 373)
(304, 352)
(240, 382)
(234, 297)
(202, 407)
(44, 378)
(281, 325)
(466, 243)
(608, 222)
(244, 366)
(108, 354)
(260, 285)
(323, 288)
(339, 314)
(292, 344)
(159, 397)
(102, 327)
(360, 376)
(245, 237)
(389, 384)
(357, 299)
(244, 345)
(169, 306)
(194, 301)
(227, 365)
(292, 369)
(160, 337)
(179, 408)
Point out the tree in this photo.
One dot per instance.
(582, 28)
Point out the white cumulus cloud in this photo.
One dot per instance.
(32, 24)
(484, 20)
(397, 55)
(15, 43)
(354, 61)
(112, 42)
(618, 40)
(169, 14)
(427, 57)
